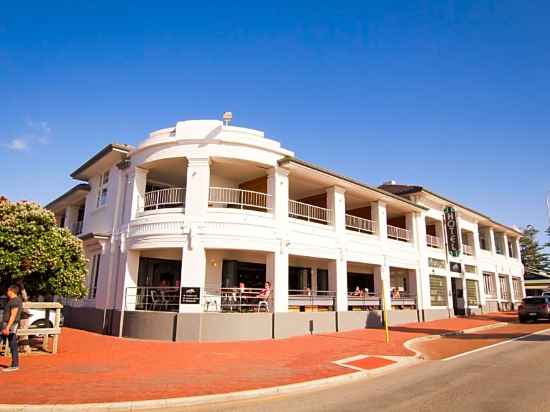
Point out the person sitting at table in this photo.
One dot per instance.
(395, 293)
(264, 295)
(357, 291)
(307, 291)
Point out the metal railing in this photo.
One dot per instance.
(404, 300)
(359, 224)
(164, 198)
(433, 241)
(312, 299)
(467, 249)
(311, 213)
(239, 198)
(238, 300)
(153, 298)
(398, 233)
(364, 300)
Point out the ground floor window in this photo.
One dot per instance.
(518, 289)
(252, 275)
(159, 272)
(504, 287)
(489, 284)
(438, 290)
(299, 280)
(472, 292)
(94, 276)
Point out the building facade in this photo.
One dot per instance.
(183, 231)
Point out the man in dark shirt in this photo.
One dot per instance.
(10, 322)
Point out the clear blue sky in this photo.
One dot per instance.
(453, 95)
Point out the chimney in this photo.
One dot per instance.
(389, 183)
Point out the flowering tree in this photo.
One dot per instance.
(48, 259)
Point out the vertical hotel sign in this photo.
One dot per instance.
(451, 227)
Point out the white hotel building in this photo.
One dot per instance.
(182, 231)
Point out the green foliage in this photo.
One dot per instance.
(533, 256)
(50, 260)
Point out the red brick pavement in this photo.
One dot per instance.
(96, 368)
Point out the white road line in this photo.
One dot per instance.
(494, 345)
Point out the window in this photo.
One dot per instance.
(518, 288)
(470, 268)
(438, 290)
(94, 275)
(504, 287)
(436, 263)
(489, 282)
(472, 292)
(102, 189)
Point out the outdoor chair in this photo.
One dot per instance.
(264, 303)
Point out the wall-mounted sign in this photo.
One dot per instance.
(190, 296)
(455, 267)
(451, 227)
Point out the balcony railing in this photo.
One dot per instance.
(433, 241)
(164, 198)
(239, 199)
(359, 224)
(468, 250)
(309, 212)
(398, 233)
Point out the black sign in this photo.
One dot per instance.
(451, 226)
(190, 296)
(455, 267)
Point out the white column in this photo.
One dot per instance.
(193, 271)
(131, 270)
(382, 274)
(277, 187)
(197, 188)
(338, 281)
(410, 226)
(497, 283)
(475, 235)
(518, 250)
(492, 240)
(137, 179)
(277, 274)
(506, 251)
(423, 271)
(379, 216)
(336, 201)
(277, 262)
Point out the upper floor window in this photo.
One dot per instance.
(102, 189)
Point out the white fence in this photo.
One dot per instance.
(164, 198)
(359, 224)
(239, 198)
(310, 213)
(398, 233)
(433, 241)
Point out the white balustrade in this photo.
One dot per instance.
(164, 198)
(309, 212)
(360, 224)
(468, 250)
(239, 198)
(433, 241)
(398, 233)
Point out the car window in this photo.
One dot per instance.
(535, 301)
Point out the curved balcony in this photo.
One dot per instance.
(227, 197)
(173, 197)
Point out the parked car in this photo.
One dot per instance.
(546, 293)
(534, 307)
(37, 318)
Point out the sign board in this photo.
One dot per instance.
(190, 296)
(455, 267)
(451, 228)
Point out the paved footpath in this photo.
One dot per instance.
(93, 368)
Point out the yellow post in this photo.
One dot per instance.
(385, 312)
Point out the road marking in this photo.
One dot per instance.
(494, 345)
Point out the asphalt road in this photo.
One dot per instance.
(510, 377)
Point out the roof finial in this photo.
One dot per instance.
(227, 117)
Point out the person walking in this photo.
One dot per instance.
(10, 322)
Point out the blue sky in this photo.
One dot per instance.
(453, 95)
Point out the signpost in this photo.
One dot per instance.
(451, 228)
